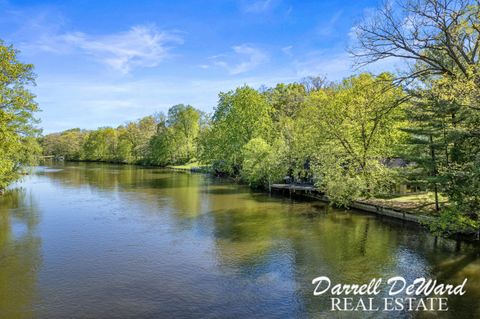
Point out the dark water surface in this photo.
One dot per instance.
(105, 241)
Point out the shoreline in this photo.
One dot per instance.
(378, 210)
(358, 205)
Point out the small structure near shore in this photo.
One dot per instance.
(293, 188)
(312, 192)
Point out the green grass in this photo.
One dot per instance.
(417, 198)
(421, 203)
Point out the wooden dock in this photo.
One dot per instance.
(312, 192)
(195, 169)
(294, 187)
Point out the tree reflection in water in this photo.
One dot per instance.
(20, 256)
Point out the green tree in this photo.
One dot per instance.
(125, 148)
(18, 144)
(162, 146)
(175, 140)
(264, 164)
(441, 39)
(430, 144)
(67, 144)
(101, 145)
(134, 138)
(240, 116)
(358, 124)
(286, 99)
(184, 121)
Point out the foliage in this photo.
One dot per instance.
(134, 138)
(101, 145)
(430, 143)
(18, 145)
(440, 39)
(288, 102)
(175, 141)
(67, 144)
(240, 116)
(263, 164)
(156, 140)
(358, 121)
(286, 99)
(184, 121)
(450, 222)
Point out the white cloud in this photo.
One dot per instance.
(352, 34)
(141, 46)
(327, 28)
(287, 50)
(257, 6)
(334, 66)
(338, 65)
(243, 59)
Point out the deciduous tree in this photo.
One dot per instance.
(18, 145)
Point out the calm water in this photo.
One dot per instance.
(106, 241)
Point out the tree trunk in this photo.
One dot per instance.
(437, 208)
(434, 172)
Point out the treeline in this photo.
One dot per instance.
(360, 138)
(153, 140)
(336, 135)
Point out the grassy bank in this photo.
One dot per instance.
(417, 204)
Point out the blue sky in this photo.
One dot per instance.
(103, 63)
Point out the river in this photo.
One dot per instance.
(85, 240)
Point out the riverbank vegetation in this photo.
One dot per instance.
(368, 136)
(18, 143)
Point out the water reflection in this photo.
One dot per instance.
(20, 255)
(125, 241)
